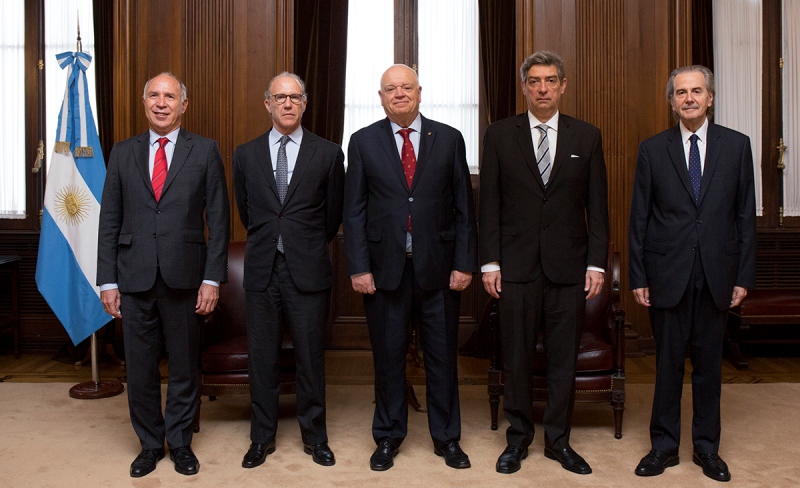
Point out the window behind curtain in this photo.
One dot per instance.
(448, 67)
(448, 64)
(13, 166)
(61, 34)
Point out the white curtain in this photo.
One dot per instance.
(13, 166)
(448, 67)
(370, 51)
(791, 107)
(737, 74)
(61, 34)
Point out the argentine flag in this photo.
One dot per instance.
(67, 264)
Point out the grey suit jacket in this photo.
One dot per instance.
(378, 202)
(308, 219)
(137, 235)
(530, 228)
(667, 228)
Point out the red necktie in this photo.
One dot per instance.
(409, 161)
(160, 168)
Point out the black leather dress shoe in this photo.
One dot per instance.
(453, 455)
(383, 457)
(257, 454)
(713, 466)
(321, 454)
(185, 460)
(569, 459)
(656, 462)
(146, 461)
(511, 459)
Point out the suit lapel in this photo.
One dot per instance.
(142, 158)
(304, 157)
(183, 146)
(390, 147)
(265, 163)
(713, 150)
(565, 134)
(525, 143)
(678, 157)
(426, 138)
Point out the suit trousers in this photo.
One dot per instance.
(695, 322)
(147, 317)
(558, 311)
(389, 313)
(304, 314)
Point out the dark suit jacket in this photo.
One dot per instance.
(666, 225)
(378, 201)
(137, 233)
(308, 219)
(529, 228)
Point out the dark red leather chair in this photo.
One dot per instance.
(223, 346)
(600, 375)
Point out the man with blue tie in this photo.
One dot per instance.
(288, 184)
(692, 256)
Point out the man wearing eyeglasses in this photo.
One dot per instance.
(289, 187)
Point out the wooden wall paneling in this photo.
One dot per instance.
(772, 125)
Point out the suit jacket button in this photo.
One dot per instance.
(280, 215)
(545, 201)
(694, 248)
(154, 235)
(274, 239)
(546, 227)
(410, 199)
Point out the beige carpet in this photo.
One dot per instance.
(50, 440)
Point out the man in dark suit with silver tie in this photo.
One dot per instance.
(692, 240)
(288, 184)
(164, 188)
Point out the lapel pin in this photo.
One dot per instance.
(429, 133)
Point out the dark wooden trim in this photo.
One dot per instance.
(406, 33)
(772, 113)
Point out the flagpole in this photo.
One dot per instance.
(91, 390)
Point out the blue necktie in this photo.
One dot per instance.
(695, 172)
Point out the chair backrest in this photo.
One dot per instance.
(597, 317)
(232, 310)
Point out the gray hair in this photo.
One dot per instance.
(545, 57)
(165, 73)
(707, 74)
(290, 75)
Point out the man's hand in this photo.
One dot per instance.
(491, 283)
(642, 296)
(738, 295)
(110, 299)
(364, 284)
(594, 283)
(459, 280)
(207, 297)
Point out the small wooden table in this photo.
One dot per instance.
(11, 264)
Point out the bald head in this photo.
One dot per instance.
(400, 94)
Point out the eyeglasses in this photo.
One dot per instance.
(295, 98)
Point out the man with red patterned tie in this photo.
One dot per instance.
(411, 245)
(164, 188)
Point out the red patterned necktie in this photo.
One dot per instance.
(160, 168)
(409, 161)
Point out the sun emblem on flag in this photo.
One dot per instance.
(72, 204)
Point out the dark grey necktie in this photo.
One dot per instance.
(282, 178)
(543, 159)
(695, 170)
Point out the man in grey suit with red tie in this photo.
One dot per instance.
(164, 189)
(411, 246)
(692, 240)
(288, 184)
(544, 244)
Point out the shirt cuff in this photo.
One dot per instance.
(595, 268)
(108, 286)
(489, 267)
(212, 283)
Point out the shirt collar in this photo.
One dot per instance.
(172, 136)
(551, 124)
(416, 125)
(701, 132)
(296, 136)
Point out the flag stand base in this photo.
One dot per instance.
(89, 390)
(92, 390)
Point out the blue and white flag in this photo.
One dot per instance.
(67, 264)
